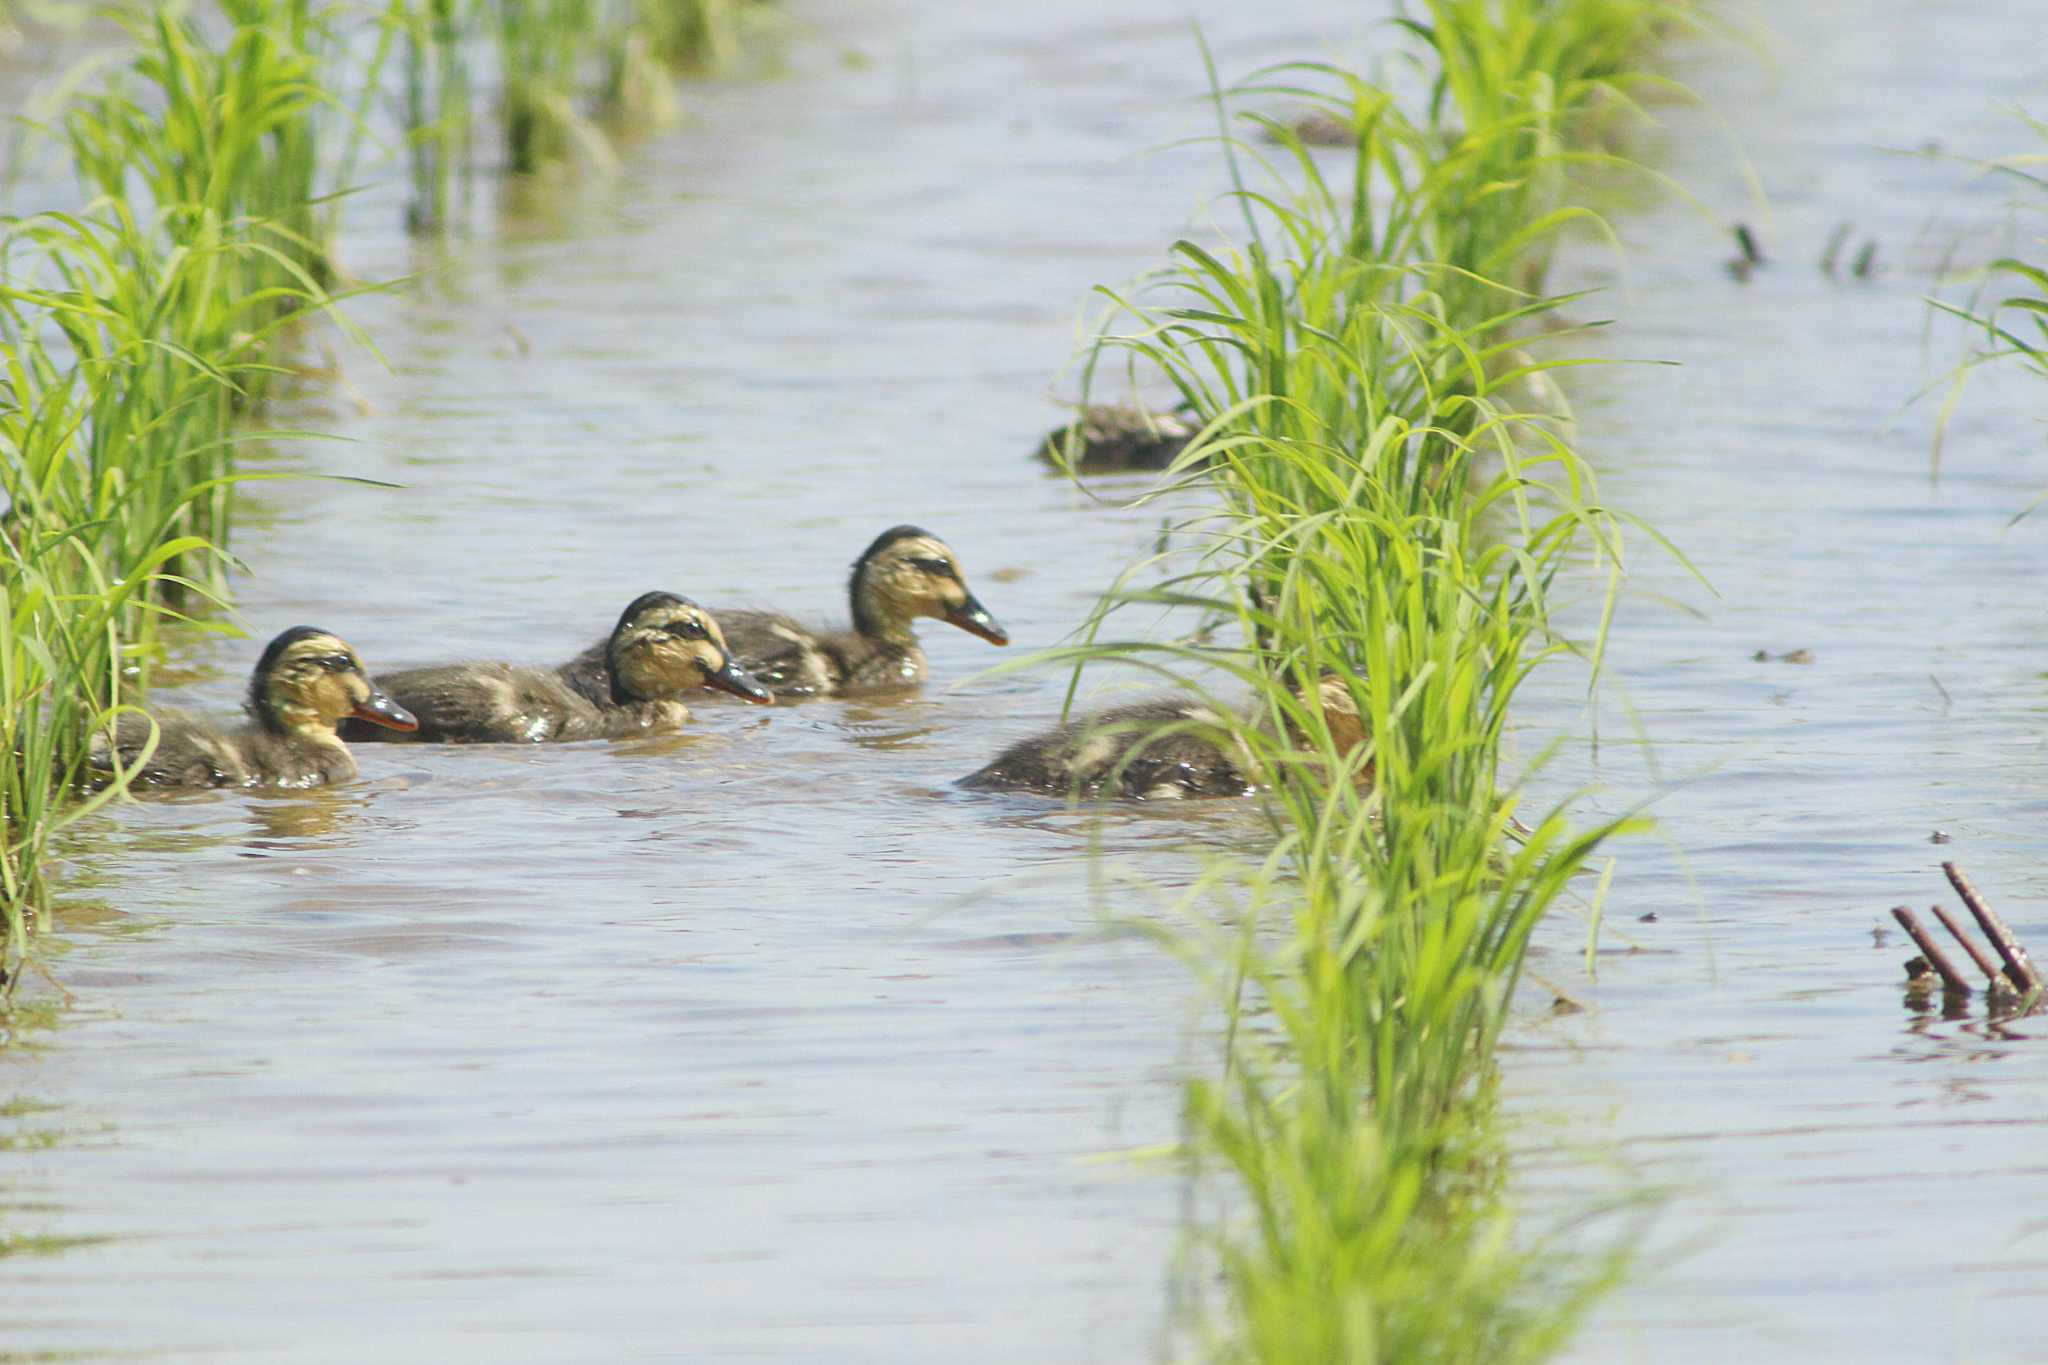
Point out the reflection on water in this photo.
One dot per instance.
(764, 1039)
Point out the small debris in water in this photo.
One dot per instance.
(1939, 836)
(1564, 1004)
(1866, 260)
(1752, 255)
(1837, 239)
(1790, 656)
(1650, 918)
(1009, 574)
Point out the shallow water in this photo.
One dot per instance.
(1854, 1180)
(765, 1043)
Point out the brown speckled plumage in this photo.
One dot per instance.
(906, 574)
(307, 681)
(1167, 748)
(632, 683)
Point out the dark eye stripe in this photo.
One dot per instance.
(938, 567)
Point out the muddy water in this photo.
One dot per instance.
(764, 1043)
(1853, 1180)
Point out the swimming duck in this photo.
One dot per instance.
(1118, 438)
(907, 573)
(1122, 752)
(629, 684)
(307, 682)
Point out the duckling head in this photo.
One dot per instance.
(309, 681)
(907, 573)
(1341, 717)
(1340, 713)
(665, 644)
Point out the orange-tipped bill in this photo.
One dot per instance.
(973, 618)
(379, 709)
(736, 680)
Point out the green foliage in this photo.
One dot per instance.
(1394, 510)
(132, 335)
(564, 69)
(2008, 310)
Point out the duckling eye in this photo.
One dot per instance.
(338, 663)
(937, 568)
(687, 630)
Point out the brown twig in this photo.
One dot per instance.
(1977, 955)
(2019, 969)
(1951, 979)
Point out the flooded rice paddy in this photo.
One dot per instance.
(764, 1042)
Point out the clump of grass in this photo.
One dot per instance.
(1386, 516)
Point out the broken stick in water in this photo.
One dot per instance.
(1952, 980)
(2019, 968)
(1984, 963)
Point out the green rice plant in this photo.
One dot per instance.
(546, 50)
(219, 142)
(436, 103)
(2007, 311)
(133, 334)
(90, 547)
(686, 35)
(565, 70)
(1384, 513)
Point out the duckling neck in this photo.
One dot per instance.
(304, 729)
(876, 622)
(592, 677)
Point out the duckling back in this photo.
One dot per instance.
(487, 702)
(192, 753)
(1163, 749)
(794, 660)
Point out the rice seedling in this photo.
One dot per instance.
(1384, 515)
(2007, 312)
(133, 335)
(564, 70)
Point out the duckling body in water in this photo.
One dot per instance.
(662, 647)
(905, 574)
(1118, 438)
(306, 684)
(1168, 748)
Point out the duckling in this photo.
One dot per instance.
(628, 684)
(1118, 438)
(307, 682)
(905, 574)
(1122, 752)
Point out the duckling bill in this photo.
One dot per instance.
(629, 684)
(307, 684)
(905, 575)
(1168, 748)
